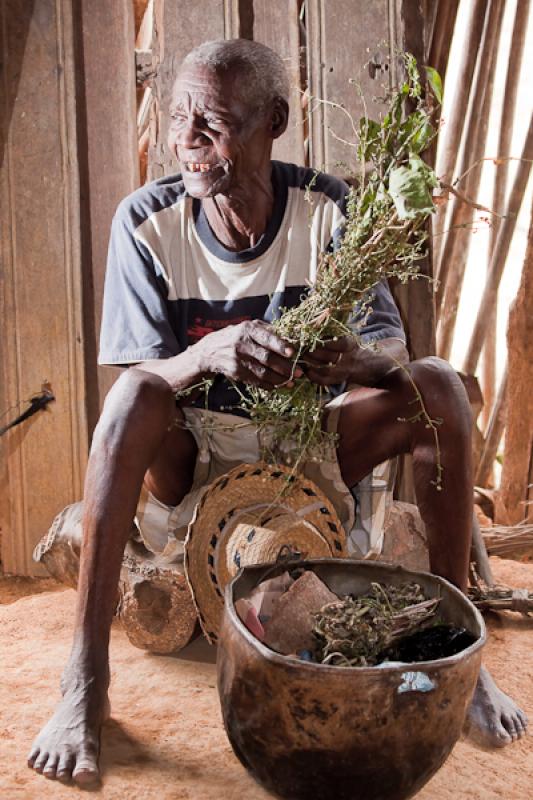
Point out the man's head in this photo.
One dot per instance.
(228, 105)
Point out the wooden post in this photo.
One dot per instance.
(109, 164)
(442, 35)
(450, 135)
(499, 256)
(494, 434)
(412, 35)
(277, 24)
(517, 457)
(440, 44)
(455, 246)
(507, 118)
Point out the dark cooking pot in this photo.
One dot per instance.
(334, 733)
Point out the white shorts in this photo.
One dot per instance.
(224, 441)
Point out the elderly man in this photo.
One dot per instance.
(199, 264)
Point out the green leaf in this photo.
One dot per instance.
(410, 188)
(418, 129)
(435, 81)
(369, 137)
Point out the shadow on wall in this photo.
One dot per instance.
(13, 35)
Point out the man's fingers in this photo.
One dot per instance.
(274, 362)
(324, 377)
(319, 358)
(330, 352)
(261, 376)
(263, 334)
(342, 345)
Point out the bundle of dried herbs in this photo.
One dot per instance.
(385, 236)
(361, 631)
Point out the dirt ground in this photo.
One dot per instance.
(165, 739)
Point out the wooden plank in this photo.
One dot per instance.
(506, 122)
(499, 256)
(41, 302)
(488, 373)
(343, 45)
(109, 164)
(277, 24)
(410, 32)
(517, 470)
(455, 247)
(494, 433)
(180, 27)
(450, 135)
(440, 40)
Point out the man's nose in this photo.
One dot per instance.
(192, 131)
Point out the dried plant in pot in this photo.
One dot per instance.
(308, 730)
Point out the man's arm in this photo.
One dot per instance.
(249, 352)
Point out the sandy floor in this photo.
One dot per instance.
(166, 740)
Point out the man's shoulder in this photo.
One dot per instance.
(307, 179)
(149, 199)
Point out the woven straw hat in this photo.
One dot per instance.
(253, 515)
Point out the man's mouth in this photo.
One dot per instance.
(195, 166)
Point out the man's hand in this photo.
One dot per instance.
(249, 352)
(332, 363)
(345, 359)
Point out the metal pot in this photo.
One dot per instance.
(334, 733)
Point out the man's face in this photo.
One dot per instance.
(218, 141)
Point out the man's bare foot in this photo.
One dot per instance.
(493, 719)
(68, 745)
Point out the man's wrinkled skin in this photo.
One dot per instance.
(136, 441)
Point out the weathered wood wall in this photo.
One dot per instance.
(107, 155)
(41, 299)
(69, 155)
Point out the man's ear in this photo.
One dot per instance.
(279, 118)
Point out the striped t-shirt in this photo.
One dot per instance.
(169, 281)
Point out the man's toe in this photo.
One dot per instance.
(520, 728)
(508, 722)
(522, 720)
(65, 767)
(34, 752)
(50, 768)
(86, 770)
(40, 761)
(500, 735)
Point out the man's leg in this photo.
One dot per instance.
(133, 441)
(372, 428)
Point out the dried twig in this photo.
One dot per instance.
(356, 631)
(509, 541)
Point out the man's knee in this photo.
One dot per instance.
(136, 388)
(137, 398)
(442, 391)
